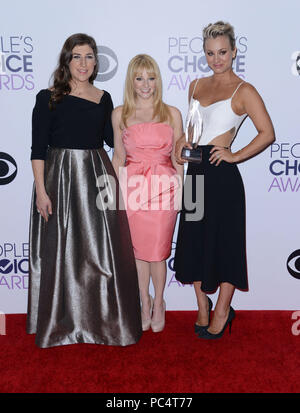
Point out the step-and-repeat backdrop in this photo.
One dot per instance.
(268, 42)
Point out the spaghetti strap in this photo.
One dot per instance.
(236, 89)
(194, 88)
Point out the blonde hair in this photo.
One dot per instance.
(219, 29)
(137, 65)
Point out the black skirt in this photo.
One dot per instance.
(83, 285)
(212, 248)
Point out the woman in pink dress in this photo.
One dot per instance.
(145, 133)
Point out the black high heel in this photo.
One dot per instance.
(210, 336)
(198, 329)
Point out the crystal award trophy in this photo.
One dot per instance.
(193, 131)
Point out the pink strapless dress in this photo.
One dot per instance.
(150, 187)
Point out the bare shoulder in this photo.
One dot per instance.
(175, 112)
(193, 82)
(117, 112)
(198, 85)
(116, 116)
(175, 120)
(176, 117)
(247, 90)
(199, 81)
(248, 95)
(248, 100)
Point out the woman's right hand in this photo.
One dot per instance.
(180, 144)
(44, 205)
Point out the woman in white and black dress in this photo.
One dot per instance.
(83, 281)
(211, 252)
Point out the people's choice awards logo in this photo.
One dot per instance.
(16, 66)
(170, 268)
(14, 266)
(187, 61)
(285, 167)
(108, 64)
(296, 63)
(293, 264)
(8, 168)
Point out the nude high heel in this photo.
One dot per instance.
(159, 325)
(146, 322)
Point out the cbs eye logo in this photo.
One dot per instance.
(108, 64)
(293, 264)
(5, 266)
(8, 168)
(296, 63)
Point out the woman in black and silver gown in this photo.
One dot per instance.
(83, 284)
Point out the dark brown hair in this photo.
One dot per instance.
(62, 75)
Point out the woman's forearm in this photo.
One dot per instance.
(38, 166)
(117, 163)
(257, 145)
(178, 167)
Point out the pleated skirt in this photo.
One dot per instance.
(212, 248)
(83, 285)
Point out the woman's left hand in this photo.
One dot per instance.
(219, 154)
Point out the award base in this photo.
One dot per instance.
(192, 155)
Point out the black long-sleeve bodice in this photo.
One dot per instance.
(74, 123)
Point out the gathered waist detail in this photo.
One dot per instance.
(159, 160)
(50, 148)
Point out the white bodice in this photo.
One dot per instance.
(208, 122)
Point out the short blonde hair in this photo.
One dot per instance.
(219, 29)
(137, 65)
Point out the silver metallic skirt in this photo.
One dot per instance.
(83, 285)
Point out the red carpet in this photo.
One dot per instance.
(260, 356)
